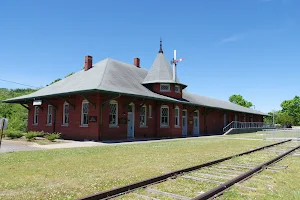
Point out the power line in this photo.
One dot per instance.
(18, 83)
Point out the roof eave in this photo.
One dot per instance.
(24, 100)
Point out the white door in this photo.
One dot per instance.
(196, 124)
(184, 123)
(130, 122)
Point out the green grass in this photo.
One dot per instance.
(73, 173)
(283, 184)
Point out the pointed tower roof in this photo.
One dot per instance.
(161, 71)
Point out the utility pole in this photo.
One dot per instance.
(2, 128)
(273, 118)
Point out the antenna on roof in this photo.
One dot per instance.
(174, 63)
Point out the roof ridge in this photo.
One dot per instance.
(107, 59)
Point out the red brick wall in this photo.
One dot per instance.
(73, 130)
(172, 93)
(96, 131)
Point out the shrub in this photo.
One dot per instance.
(52, 136)
(33, 134)
(13, 134)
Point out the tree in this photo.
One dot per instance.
(70, 74)
(269, 119)
(16, 113)
(292, 109)
(284, 118)
(54, 81)
(238, 99)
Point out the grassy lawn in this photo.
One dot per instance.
(283, 184)
(73, 173)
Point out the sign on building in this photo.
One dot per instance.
(92, 118)
(3, 123)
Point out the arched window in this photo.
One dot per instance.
(66, 113)
(85, 113)
(113, 113)
(164, 116)
(177, 116)
(143, 116)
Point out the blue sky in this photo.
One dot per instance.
(247, 47)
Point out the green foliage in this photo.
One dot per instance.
(13, 134)
(59, 79)
(292, 108)
(31, 135)
(238, 99)
(269, 119)
(284, 118)
(16, 114)
(52, 136)
(70, 74)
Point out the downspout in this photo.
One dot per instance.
(101, 113)
(54, 120)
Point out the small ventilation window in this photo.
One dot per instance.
(165, 87)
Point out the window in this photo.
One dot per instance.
(143, 114)
(66, 114)
(113, 113)
(165, 87)
(150, 111)
(85, 113)
(177, 89)
(36, 115)
(177, 116)
(164, 116)
(49, 115)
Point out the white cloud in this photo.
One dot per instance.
(233, 38)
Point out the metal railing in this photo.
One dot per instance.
(237, 124)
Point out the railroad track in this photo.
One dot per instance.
(208, 180)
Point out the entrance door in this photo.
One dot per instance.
(196, 124)
(130, 121)
(184, 123)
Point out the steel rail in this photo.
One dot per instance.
(128, 188)
(221, 188)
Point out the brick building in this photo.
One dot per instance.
(112, 100)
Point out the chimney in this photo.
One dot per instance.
(136, 62)
(88, 62)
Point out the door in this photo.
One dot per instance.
(196, 124)
(184, 123)
(130, 121)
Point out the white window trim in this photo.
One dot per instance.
(178, 117)
(150, 111)
(50, 107)
(144, 125)
(117, 114)
(36, 115)
(177, 86)
(165, 85)
(63, 123)
(83, 102)
(164, 125)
